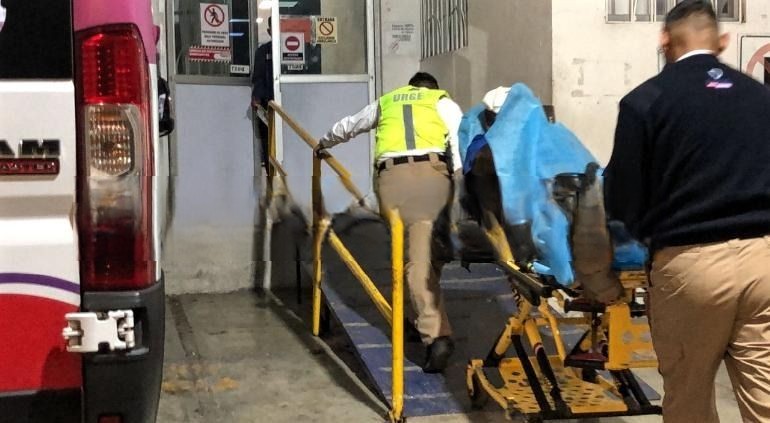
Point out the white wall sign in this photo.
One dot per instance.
(325, 30)
(293, 48)
(401, 38)
(215, 25)
(240, 69)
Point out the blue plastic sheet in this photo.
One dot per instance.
(470, 128)
(529, 152)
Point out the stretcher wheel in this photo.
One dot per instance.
(479, 396)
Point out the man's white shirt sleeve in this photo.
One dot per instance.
(452, 115)
(351, 126)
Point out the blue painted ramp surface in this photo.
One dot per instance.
(425, 395)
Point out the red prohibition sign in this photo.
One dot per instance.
(214, 15)
(758, 59)
(326, 28)
(292, 43)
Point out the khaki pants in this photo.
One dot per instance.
(710, 303)
(420, 192)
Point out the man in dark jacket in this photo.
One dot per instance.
(262, 86)
(690, 175)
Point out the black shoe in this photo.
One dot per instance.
(438, 355)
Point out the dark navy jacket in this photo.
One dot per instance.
(691, 162)
(262, 74)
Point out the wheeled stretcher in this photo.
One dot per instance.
(526, 379)
(541, 377)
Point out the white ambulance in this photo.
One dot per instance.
(81, 287)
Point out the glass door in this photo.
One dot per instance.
(324, 61)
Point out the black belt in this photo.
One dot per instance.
(414, 159)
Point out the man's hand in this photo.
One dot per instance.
(320, 151)
(256, 102)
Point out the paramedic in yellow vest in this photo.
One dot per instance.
(416, 155)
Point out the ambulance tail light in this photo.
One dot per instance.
(114, 159)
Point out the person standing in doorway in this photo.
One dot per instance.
(689, 174)
(416, 156)
(262, 87)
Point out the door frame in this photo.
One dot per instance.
(278, 79)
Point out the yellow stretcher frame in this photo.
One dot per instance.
(545, 387)
(322, 232)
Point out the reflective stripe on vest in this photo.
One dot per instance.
(409, 120)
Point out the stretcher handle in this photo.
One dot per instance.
(532, 289)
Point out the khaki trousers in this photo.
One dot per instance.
(420, 192)
(710, 303)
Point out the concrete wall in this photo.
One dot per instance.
(509, 41)
(210, 244)
(398, 60)
(595, 63)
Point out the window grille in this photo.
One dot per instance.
(645, 10)
(444, 26)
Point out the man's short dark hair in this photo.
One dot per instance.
(691, 8)
(425, 80)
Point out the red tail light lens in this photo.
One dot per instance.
(114, 159)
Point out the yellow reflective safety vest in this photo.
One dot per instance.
(409, 120)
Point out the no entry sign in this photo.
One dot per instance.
(293, 48)
(292, 43)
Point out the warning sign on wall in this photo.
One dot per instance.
(325, 30)
(292, 48)
(209, 54)
(215, 25)
(401, 38)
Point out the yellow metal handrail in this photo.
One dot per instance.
(379, 301)
(397, 327)
(340, 170)
(393, 314)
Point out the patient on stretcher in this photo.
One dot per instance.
(536, 179)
